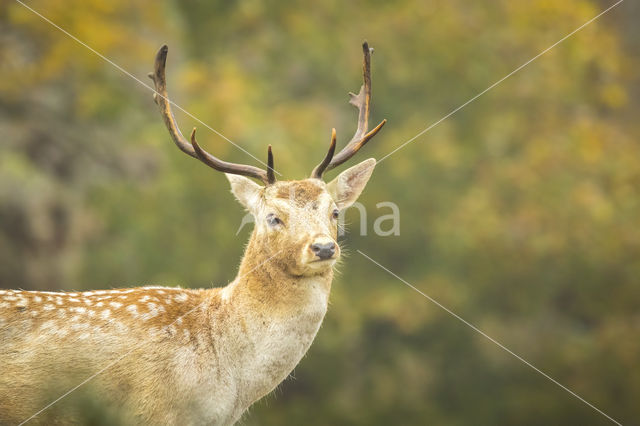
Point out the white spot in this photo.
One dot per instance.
(120, 327)
(48, 326)
(37, 299)
(84, 336)
(100, 292)
(182, 297)
(4, 305)
(99, 304)
(105, 314)
(122, 297)
(133, 310)
(186, 333)
(179, 320)
(79, 326)
(87, 301)
(78, 309)
(91, 313)
(61, 332)
(58, 300)
(73, 299)
(153, 311)
(49, 307)
(115, 305)
(10, 298)
(72, 294)
(160, 291)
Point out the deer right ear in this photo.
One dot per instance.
(245, 190)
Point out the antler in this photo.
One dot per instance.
(193, 149)
(361, 101)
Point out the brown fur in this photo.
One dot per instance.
(300, 192)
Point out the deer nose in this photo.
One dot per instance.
(324, 250)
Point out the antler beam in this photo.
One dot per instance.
(361, 101)
(161, 98)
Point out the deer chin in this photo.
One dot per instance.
(312, 267)
(319, 266)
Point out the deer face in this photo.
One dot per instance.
(297, 221)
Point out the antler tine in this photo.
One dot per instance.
(320, 168)
(162, 100)
(233, 168)
(193, 149)
(361, 101)
(271, 177)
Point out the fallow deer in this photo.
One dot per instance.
(165, 355)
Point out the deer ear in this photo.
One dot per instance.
(245, 190)
(347, 187)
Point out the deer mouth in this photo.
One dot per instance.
(319, 262)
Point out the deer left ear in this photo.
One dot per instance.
(245, 190)
(347, 187)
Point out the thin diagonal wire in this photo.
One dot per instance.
(112, 363)
(500, 345)
(127, 73)
(499, 81)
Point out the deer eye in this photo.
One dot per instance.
(335, 213)
(273, 220)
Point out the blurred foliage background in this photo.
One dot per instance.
(520, 212)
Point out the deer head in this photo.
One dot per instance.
(296, 221)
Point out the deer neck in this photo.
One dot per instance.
(276, 316)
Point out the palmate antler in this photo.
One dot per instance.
(193, 149)
(361, 101)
